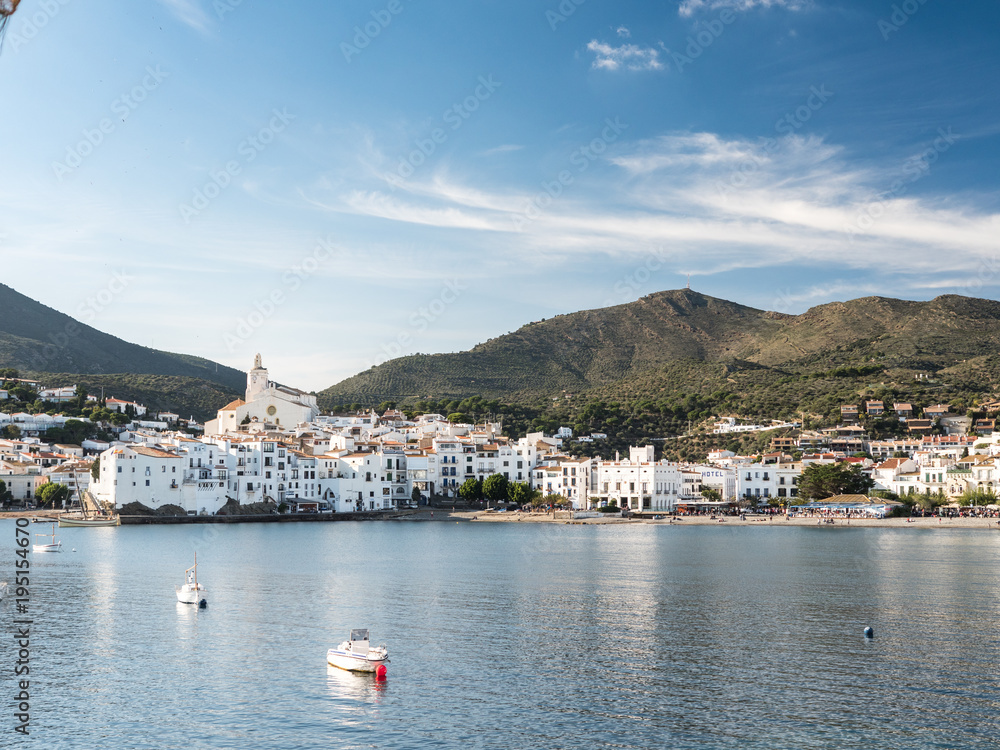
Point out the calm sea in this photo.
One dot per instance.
(512, 636)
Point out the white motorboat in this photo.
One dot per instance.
(358, 655)
(52, 546)
(192, 592)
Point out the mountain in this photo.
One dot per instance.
(613, 348)
(37, 339)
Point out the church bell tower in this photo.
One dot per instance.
(257, 382)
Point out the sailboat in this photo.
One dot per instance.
(52, 546)
(84, 518)
(192, 592)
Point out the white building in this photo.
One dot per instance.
(639, 484)
(267, 403)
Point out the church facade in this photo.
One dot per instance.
(266, 403)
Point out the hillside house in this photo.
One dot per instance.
(874, 408)
(903, 411)
(849, 413)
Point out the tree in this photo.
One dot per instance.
(5, 495)
(415, 496)
(12, 432)
(495, 488)
(95, 469)
(52, 494)
(820, 481)
(519, 493)
(471, 490)
(457, 418)
(711, 495)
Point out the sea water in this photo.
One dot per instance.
(508, 635)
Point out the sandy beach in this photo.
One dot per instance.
(751, 521)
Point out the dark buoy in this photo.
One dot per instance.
(381, 672)
(869, 633)
(203, 604)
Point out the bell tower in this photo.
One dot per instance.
(257, 382)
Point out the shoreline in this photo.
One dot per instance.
(429, 515)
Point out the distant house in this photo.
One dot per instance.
(985, 426)
(118, 405)
(903, 411)
(4, 395)
(991, 406)
(783, 444)
(849, 413)
(919, 426)
(874, 408)
(934, 412)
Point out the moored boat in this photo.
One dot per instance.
(358, 655)
(52, 546)
(76, 521)
(192, 592)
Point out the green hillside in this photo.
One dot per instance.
(612, 352)
(35, 338)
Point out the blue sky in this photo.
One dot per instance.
(333, 184)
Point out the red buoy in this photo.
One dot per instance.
(381, 672)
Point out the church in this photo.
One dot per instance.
(267, 403)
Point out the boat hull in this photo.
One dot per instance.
(57, 547)
(352, 662)
(189, 595)
(76, 522)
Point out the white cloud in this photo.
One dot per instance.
(189, 12)
(714, 204)
(623, 32)
(690, 7)
(628, 56)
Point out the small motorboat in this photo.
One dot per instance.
(52, 546)
(358, 655)
(192, 592)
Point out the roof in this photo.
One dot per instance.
(152, 452)
(233, 405)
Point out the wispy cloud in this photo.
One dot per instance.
(628, 57)
(690, 7)
(800, 205)
(504, 149)
(189, 12)
(623, 32)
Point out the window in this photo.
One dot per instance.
(147, 483)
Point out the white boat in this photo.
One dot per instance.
(52, 546)
(357, 655)
(192, 592)
(3, 590)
